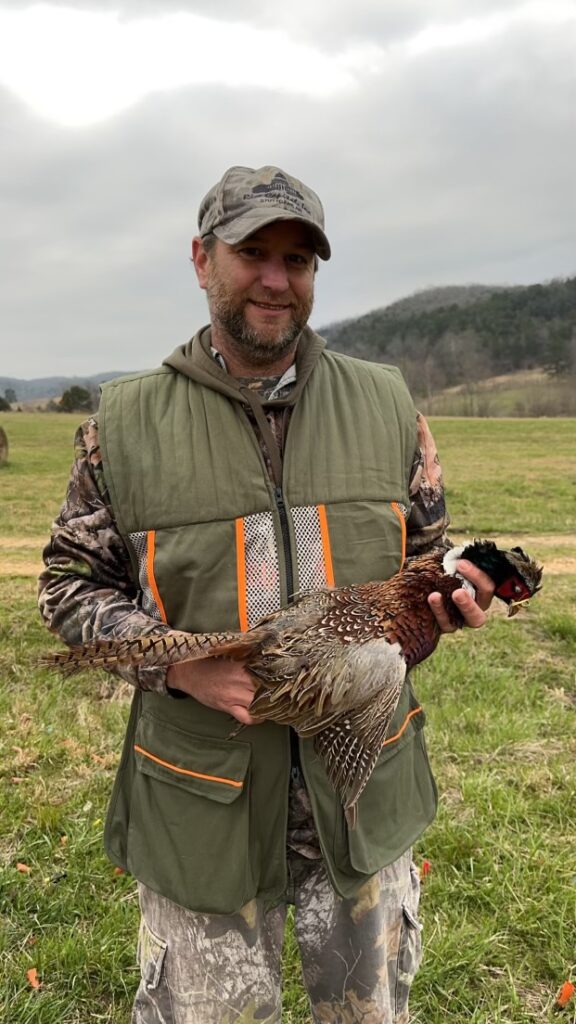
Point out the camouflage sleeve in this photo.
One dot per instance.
(428, 520)
(87, 588)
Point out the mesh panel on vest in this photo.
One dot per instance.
(311, 562)
(139, 542)
(262, 572)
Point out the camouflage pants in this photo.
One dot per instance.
(359, 955)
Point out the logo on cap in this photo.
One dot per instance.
(279, 192)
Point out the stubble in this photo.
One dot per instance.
(261, 347)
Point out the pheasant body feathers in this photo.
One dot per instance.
(333, 664)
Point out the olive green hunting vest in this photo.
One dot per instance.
(215, 545)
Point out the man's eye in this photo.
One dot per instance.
(298, 259)
(251, 251)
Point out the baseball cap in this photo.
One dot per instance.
(246, 199)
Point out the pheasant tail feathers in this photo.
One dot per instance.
(154, 650)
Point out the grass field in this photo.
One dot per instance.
(499, 902)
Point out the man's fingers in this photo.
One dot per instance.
(437, 605)
(482, 583)
(218, 683)
(474, 615)
(241, 714)
(472, 608)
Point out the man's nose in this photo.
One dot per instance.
(274, 274)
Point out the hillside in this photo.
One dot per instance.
(436, 298)
(443, 338)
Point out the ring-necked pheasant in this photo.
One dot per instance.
(332, 664)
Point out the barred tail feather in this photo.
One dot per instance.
(160, 649)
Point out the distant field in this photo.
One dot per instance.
(34, 481)
(499, 901)
(513, 475)
(524, 393)
(500, 474)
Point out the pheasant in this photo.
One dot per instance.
(332, 664)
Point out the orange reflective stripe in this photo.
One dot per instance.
(391, 739)
(187, 771)
(241, 575)
(399, 514)
(150, 551)
(329, 568)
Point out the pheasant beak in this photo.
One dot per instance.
(515, 606)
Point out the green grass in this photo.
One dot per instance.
(34, 479)
(507, 476)
(499, 904)
(500, 900)
(70, 916)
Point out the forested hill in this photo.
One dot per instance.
(450, 336)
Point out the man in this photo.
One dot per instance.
(252, 465)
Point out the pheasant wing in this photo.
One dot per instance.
(312, 681)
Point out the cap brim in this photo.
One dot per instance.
(248, 223)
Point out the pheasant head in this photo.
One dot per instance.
(516, 576)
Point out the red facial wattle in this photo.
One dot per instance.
(513, 589)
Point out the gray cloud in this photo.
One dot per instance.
(330, 25)
(455, 166)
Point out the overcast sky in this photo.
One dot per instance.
(439, 134)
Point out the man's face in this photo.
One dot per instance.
(260, 291)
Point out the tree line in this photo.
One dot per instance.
(74, 399)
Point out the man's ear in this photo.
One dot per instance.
(200, 260)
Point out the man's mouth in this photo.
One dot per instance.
(273, 307)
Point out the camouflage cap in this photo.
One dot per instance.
(246, 199)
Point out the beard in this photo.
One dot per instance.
(264, 345)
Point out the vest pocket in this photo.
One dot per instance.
(398, 803)
(410, 946)
(189, 796)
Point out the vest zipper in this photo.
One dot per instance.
(275, 456)
(280, 505)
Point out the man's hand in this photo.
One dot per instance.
(473, 610)
(218, 683)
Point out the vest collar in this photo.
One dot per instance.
(194, 360)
